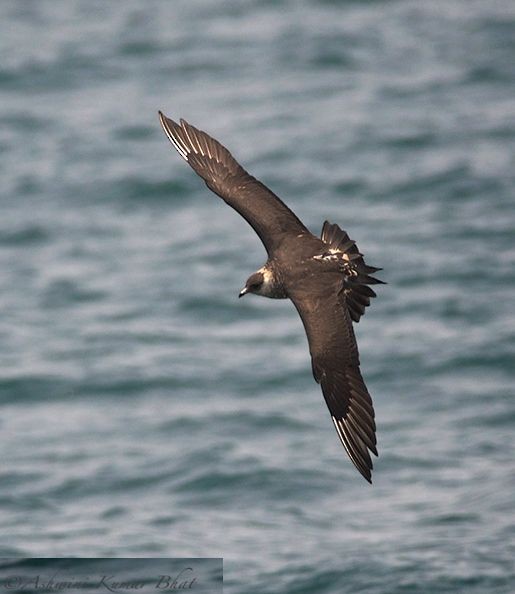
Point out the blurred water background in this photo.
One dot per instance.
(145, 410)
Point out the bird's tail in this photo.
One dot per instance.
(357, 273)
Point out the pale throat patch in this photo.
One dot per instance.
(268, 277)
(268, 288)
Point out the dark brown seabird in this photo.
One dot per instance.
(327, 280)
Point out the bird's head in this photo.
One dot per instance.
(254, 284)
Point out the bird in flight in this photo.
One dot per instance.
(327, 280)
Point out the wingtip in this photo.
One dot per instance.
(166, 121)
(171, 129)
(367, 475)
(163, 118)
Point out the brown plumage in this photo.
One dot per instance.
(327, 280)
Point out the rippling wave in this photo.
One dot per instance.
(148, 411)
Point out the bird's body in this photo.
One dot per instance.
(291, 264)
(326, 278)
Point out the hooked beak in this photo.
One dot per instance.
(244, 291)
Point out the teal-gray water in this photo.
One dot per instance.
(145, 410)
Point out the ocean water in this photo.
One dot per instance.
(145, 410)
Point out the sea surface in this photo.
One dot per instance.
(148, 412)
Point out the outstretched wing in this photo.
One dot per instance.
(261, 208)
(335, 362)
